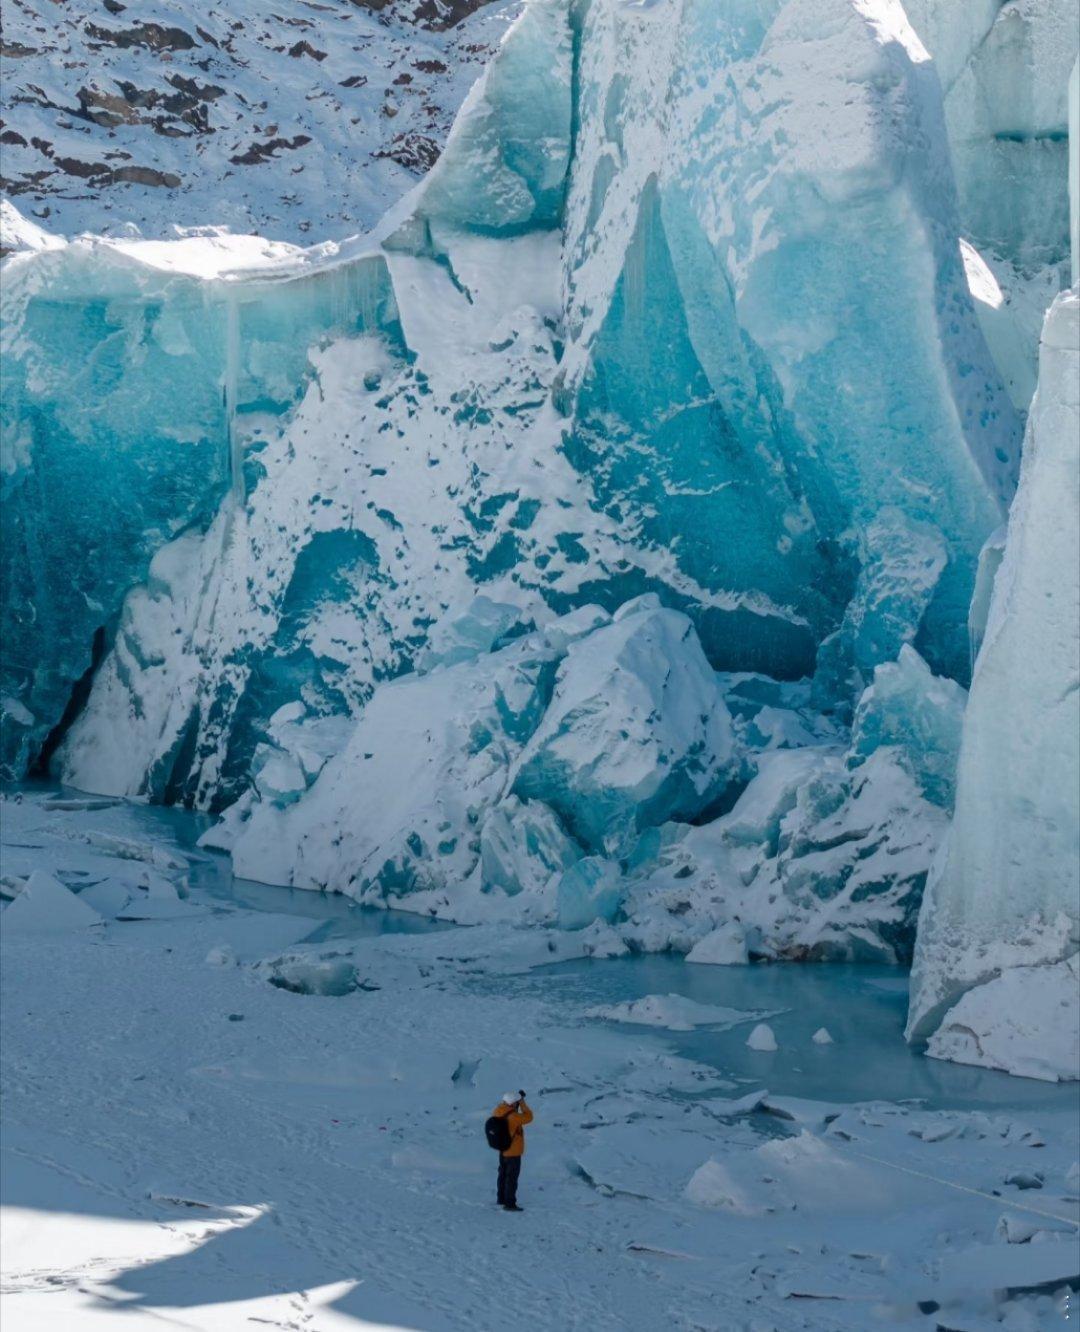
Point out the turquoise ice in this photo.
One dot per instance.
(418, 556)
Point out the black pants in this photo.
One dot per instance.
(509, 1169)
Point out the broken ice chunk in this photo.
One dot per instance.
(425, 761)
(725, 946)
(761, 1038)
(45, 906)
(902, 560)
(675, 1012)
(648, 601)
(1026, 1021)
(589, 890)
(109, 897)
(1022, 1229)
(770, 795)
(278, 776)
(506, 160)
(483, 626)
(636, 733)
(522, 847)
(918, 713)
(569, 628)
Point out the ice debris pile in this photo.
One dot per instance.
(594, 772)
(595, 543)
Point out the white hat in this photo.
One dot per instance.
(511, 1099)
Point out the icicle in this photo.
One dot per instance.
(232, 361)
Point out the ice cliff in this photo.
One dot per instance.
(995, 980)
(633, 245)
(1001, 913)
(594, 543)
(1004, 69)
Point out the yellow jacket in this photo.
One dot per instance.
(518, 1119)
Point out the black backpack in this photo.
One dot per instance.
(497, 1132)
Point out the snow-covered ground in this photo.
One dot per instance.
(206, 1144)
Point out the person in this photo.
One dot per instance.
(519, 1115)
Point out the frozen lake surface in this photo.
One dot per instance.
(862, 1006)
(209, 874)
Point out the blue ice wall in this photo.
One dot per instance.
(764, 287)
(115, 439)
(127, 390)
(679, 310)
(693, 462)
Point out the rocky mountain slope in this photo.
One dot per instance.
(298, 121)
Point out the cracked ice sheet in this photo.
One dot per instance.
(397, 1129)
(82, 846)
(124, 856)
(405, 1146)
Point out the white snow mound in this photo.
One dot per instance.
(712, 1185)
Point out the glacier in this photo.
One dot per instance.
(1004, 67)
(558, 305)
(176, 371)
(605, 539)
(612, 628)
(1004, 896)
